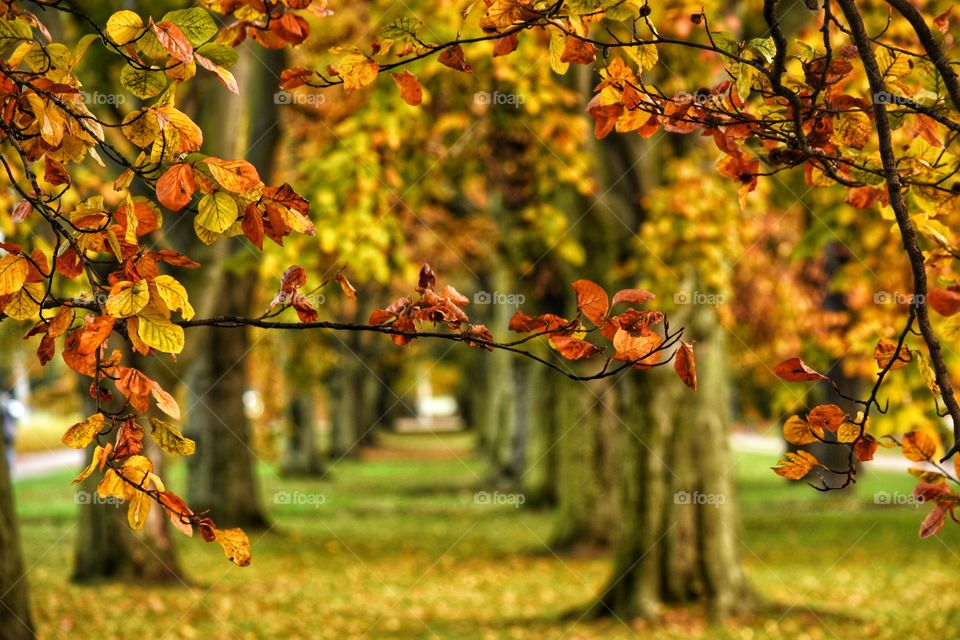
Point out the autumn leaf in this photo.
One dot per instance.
(796, 370)
(235, 545)
(884, 353)
(636, 296)
(573, 348)
(348, 289)
(176, 508)
(592, 301)
(641, 350)
(357, 71)
(169, 438)
(217, 212)
(578, 51)
(94, 462)
(127, 298)
(138, 510)
(236, 176)
(685, 365)
(933, 523)
(946, 302)
(918, 446)
(454, 58)
(795, 465)
(174, 41)
(505, 45)
(865, 448)
(176, 186)
(410, 89)
(827, 417)
(81, 434)
(165, 401)
(124, 26)
(159, 333)
(14, 270)
(798, 431)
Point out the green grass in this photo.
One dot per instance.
(398, 549)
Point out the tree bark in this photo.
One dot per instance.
(679, 542)
(16, 622)
(301, 451)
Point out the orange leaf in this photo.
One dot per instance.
(174, 41)
(865, 448)
(234, 175)
(641, 350)
(933, 523)
(348, 289)
(946, 302)
(827, 416)
(176, 186)
(638, 296)
(578, 51)
(798, 431)
(592, 301)
(685, 365)
(573, 348)
(796, 465)
(410, 89)
(505, 45)
(885, 351)
(918, 446)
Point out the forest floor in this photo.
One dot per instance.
(395, 546)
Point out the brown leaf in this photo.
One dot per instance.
(685, 365)
(798, 431)
(578, 51)
(454, 58)
(637, 296)
(796, 370)
(427, 280)
(348, 289)
(505, 45)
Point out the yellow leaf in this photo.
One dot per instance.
(159, 333)
(138, 510)
(235, 545)
(97, 452)
(124, 26)
(217, 211)
(169, 438)
(796, 430)
(929, 377)
(853, 129)
(81, 434)
(174, 295)
(886, 349)
(558, 41)
(114, 485)
(357, 71)
(25, 303)
(127, 298)
(645, 55)
(848, 432)
(13, 273)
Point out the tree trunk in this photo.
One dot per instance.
(15, 620)
(301, 452)
(537, 397)
(678, 542)
(587, 464)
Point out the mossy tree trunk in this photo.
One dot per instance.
(679, 538)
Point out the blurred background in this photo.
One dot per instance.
(439, 491)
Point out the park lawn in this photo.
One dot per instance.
(394, 548)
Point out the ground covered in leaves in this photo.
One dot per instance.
(397, 547)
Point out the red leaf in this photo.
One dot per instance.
(796, 370)
(172, 39)
(379, 316)
(865, 448)
(933, 523)
(54, 172)
(252, 225)
(946, 302)
(505, 45)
